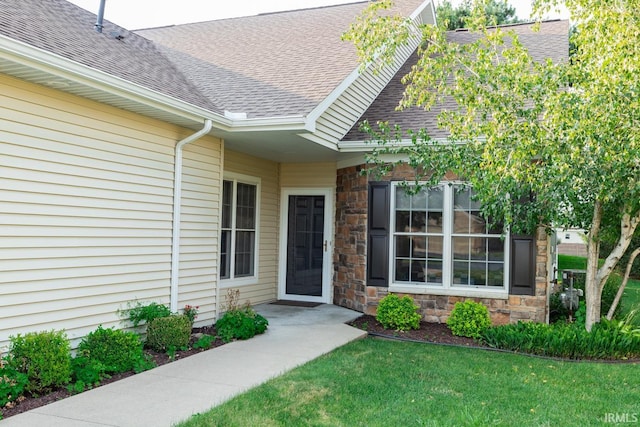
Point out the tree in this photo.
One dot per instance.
(454, 18)
(562, 138)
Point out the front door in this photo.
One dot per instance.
(305, 274)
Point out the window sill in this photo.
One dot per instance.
(232, 283)
(456, 292)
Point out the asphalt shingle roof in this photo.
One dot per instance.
(64, 29)
(271, 65)
(552, 41)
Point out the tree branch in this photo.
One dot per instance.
(616, 300)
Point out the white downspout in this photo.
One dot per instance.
(177, 205)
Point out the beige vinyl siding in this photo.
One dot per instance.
(86, 195)
(266, 288)
(201, 189)
(309, 175)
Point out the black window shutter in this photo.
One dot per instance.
(523, 265)
(378, 234)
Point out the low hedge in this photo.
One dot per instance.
(398, 313)
(44, 357)
(240, 323)
(607, 340)
(117, 350)
(172, 332)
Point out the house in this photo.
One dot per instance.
(571, 241)
(174, 164)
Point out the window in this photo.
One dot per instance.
(439, 239)
(238, 236)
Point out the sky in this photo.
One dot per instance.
(136, 14)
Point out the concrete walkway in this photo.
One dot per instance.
(173, 392)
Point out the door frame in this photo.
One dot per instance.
(327, 259)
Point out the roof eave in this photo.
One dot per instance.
(45, 66)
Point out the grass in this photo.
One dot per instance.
(375, 382)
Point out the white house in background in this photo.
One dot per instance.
(571, 236)
(572, 241)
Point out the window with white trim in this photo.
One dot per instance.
(238, 235)
(440, 239)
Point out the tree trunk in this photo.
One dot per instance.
(591, 288)
(627, 272)
(597, 277)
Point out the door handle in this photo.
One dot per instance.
(325, 245)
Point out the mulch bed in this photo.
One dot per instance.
(30, 402)
(428, 332)
(439, 333)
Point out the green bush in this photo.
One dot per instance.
(45, 357)
(145, 313)
(469, 319)
(117, 350)
(241, 323)
(87, 373)
(607, 340)
(164, 333)
(12, 384)
(204, 342)
(398, 313)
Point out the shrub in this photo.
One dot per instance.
(204, 341)
(469, 319)
(12, 384)
(117, 350)
(398, 313)
(45, 357)
(240, 323)
(164, 333)
(141, 313)
(87, 373)
(629, 323)
(607, 340)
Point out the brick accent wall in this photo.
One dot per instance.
(349, 281)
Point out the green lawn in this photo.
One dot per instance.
(373, 382)
(570, 262)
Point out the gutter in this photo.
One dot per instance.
(177, 205)
(54, 65)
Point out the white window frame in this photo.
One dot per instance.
(232, 281)
(447, 287)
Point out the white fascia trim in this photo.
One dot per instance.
(422, 9)
(332, 145)
(315, 114)
(287, 123)
(42, 60)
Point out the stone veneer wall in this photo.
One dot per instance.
(350, 258)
